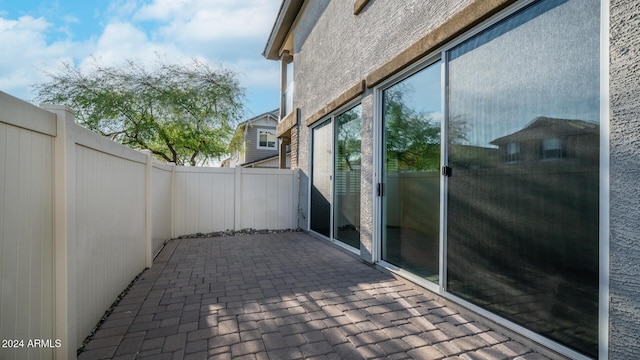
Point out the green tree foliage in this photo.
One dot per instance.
(412, 138)
(183, 113)
(348, 139)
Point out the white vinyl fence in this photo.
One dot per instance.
(81, 216)
(262, 199)
(161, 203)
(26, 226)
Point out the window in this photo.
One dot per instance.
(513, 152)
(551, 149)
(287, 83)
(267, 139)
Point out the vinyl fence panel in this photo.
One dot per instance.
(110, 226)
(219, 199)
(204, 200)
(161, 198)
(82, 216)
(26, 227)
(267, 197)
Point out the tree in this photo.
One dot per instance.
(348, 139)
(413, 138)
(182, 113)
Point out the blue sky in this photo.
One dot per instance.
(36, 36)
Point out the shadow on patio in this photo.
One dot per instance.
(283, 296)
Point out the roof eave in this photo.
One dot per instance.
(286, 16)
(272, 114)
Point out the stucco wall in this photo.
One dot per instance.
(334, 50)
(625, 172)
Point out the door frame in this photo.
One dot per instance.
(604, 196)
(331, 118)
(327, 121)
(378, 175)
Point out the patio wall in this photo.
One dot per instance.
(81, 216)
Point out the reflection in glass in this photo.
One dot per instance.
(412, 119)
(347, 177)
(288, 91)
(522, 211)
(321, 167)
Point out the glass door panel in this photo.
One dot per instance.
(347, 178)
(412, 118)
(522, 211)
(321, 173)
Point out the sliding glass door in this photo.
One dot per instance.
(335, 177)
(412, 120)
(518, 186)
(522, 219)
(347, 178)
(321, 178)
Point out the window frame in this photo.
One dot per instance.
(513, 152)
(551, 149)
(331, 119)
(272, 132)
(336, 126)
(441, 53)
(287, 85)
(378, 138)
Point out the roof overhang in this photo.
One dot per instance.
(287, 14)
(271, 114)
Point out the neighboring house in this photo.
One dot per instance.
(257, 145)
(425, 108)
(573, 141)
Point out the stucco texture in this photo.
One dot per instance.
(335, 49)
(624, 181)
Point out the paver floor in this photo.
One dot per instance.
(284, 296)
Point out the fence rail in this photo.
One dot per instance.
(81, 216)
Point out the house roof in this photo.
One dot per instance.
(543, 127)
(267, 158)
(284, 21)
(272, 113)
(235, 142)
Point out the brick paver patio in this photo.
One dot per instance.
(284, 296)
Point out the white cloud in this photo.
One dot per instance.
(227, 32)
(162, 10)
(202, 20)
(119, 9)
(258, 73)
(121, 41)
(21, 35)
(29, 52)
